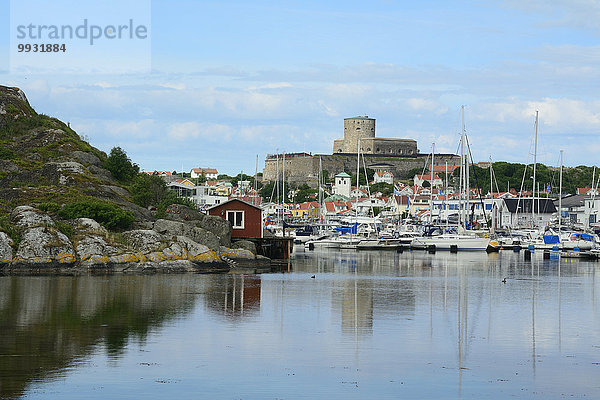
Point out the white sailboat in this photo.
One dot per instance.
(461, 239)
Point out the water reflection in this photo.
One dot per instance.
(233, 296)
(49, 322)
(370, 318)
(465, 300)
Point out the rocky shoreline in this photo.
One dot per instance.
(187, 241)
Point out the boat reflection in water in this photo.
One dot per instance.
(368, 325)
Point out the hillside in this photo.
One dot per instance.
(61, 211)
(43, 161)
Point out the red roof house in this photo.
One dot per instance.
(245, 218)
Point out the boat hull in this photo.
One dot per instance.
(442, 242)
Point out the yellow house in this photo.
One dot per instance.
(309, 209)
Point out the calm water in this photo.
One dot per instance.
(369, 325)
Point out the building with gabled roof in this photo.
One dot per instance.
(434, 180)
(209, 173)
(246, 219)
(383, 176)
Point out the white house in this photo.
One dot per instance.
(342, 184)
(515, 213)
(203, 196)
(358, 193)
(434, 180)
(385, 177)
(364, 206)
(592, 211)
(209, 173)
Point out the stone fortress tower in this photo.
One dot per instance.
(364, 128)
(354, 128)
(397, 156)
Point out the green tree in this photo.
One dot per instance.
(304, 194)
(120, 166)
(153, 191)
(267, 190)
(107, 214)
(362, 180)
(385, 188)
(148, 190)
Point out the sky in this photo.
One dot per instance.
(226, 82)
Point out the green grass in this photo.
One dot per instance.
(107, 214)
(7, 227)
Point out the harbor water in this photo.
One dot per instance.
(338, 325)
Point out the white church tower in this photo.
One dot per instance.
(342, 184)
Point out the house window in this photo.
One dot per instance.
(236, 218)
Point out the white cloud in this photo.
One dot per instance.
(131, 129)
(579, 14)
(274, 85)
(195, 130)
(175, 86)
(558, 114)
(421, 104)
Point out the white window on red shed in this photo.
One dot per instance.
(236, 218)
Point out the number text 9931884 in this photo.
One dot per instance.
(41, 48)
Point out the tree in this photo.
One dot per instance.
(362, 180)
(148, 190)
(152, 191)
(304, 193)
(120, 166)
(267, 190)
(325, 176)
(385, 188)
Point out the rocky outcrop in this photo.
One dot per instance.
(174, 228)
(87, 158)
(144, 241)
(244, 244)
(217, 226)
(6, 251)
(26, 217)
(169, 246)
(44, 247)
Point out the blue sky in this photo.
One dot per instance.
(233, 80)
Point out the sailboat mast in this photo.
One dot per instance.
(560, 193)
(467, 180)
(277, 183)
(534, 170)
(463, 198)
(357, 174)
(447, 214)
(461, 182)
(320, 189)
(431, 184)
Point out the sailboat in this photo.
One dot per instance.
(459, 239)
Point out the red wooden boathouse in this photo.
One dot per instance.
(245, 218)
